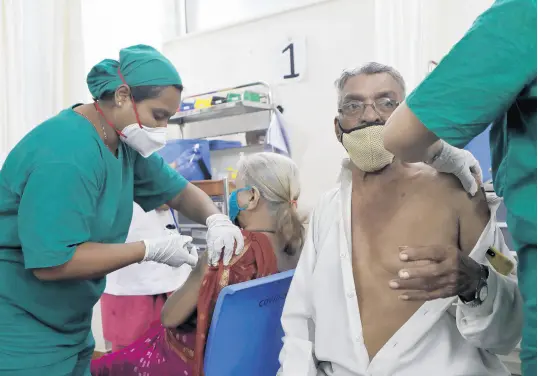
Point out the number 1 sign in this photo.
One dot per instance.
(291, 49)
(292, 60)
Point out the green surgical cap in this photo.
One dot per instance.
(140, 65)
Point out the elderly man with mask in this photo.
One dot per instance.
(363, 300)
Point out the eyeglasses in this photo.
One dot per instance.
(355, 109)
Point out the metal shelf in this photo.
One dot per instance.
(219, 111)
(222, 119)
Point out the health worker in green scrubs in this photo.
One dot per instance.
(66, 200)
(489, 77)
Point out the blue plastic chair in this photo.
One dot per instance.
(245, 336)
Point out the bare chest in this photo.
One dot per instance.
(382, 224)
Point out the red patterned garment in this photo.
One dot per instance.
(166, 352)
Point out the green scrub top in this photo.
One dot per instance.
(489, 77)
(60, 187)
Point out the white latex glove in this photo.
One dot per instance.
(461, 163)
(174, 250)
(222, 235)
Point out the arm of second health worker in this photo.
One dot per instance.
(496, 324)
(297, 354)
(473, 85)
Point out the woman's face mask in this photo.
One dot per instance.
(145, 140)
(233, 204)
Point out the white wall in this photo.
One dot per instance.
(339, 34)
(210, 14)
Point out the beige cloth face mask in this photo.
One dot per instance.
(365, 148)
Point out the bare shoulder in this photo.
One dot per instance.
(449, 190)
(472, 212)
(445, 184)
(427, 175)
(426, 178)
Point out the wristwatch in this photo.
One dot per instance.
(481, 292)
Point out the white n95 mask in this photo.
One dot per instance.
(145, 140)
(365, 148)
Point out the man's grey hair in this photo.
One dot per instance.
(367, 69)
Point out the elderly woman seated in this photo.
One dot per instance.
(264, 206)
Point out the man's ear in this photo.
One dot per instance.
(337, 130)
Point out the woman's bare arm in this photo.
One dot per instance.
(182, 303)
(94, 260)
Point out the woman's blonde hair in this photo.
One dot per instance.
(277, 179)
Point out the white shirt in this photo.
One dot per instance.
(147, 278)
(322, 323)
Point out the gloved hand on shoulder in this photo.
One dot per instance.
(462, 164)
(222, 237)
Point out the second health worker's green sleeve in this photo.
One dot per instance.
(482, 75)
